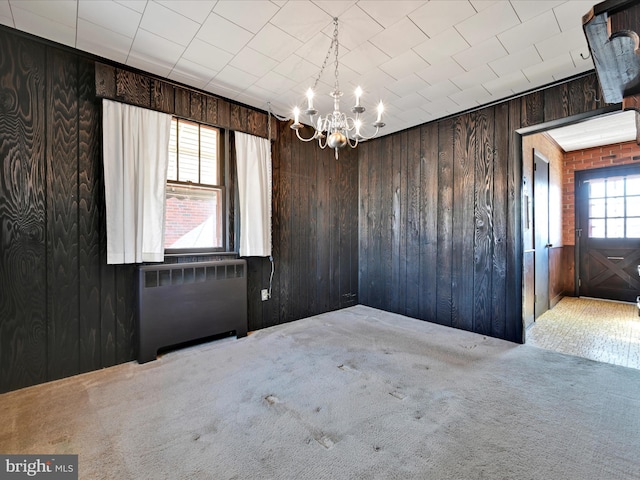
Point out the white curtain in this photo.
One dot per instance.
(136, 154)
(254, 188)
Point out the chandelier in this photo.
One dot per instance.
(335, 130)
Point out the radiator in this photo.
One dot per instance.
(182, 302)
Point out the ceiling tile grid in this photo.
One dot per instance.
(424, 59)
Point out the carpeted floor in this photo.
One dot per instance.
(353, 394)
(596, 329)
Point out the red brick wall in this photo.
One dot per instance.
(619, 154)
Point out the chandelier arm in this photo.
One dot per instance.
(302, 138)
(320, 141)
(362, 137)
(354, 144)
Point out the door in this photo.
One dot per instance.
(541, 233)
(608, 232)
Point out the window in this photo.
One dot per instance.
(614, 207)
(195, 193)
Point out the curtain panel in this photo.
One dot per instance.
(253, 160)
(136, 154)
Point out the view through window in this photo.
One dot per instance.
(614, 207)
(194, 217)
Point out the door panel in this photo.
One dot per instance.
(541, 233)
(608, 257)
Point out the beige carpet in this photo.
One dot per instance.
(353, 394)
(596, 329)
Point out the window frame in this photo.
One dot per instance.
(222, 146)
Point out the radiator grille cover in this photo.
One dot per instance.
(182, 302)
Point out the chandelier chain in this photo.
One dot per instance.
(335, 40)
(326, 58)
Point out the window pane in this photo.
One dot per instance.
(633, 185)
(615, 186)
(193, 217)
(188, 155)
(615, 228)
(615, 207)
(633, 227)
(208, 156)
(172, 170)
(596, 208)
(633, 205)
(596, 228)
(596, 188)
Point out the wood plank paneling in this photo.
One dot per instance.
(62, 215)
(429, 222)
(413, 219)
(445, 223)
(23, 309)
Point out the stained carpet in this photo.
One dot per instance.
(353, 394)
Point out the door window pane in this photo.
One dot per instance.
(615, 228)
(596, 207)
(614, 202)
(596, 188)
(633, 227)
(596, 228)
(633, 185)
(615, 207)
(615, 186)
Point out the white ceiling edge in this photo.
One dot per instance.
(608, 129)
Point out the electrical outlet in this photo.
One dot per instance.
(265, 294)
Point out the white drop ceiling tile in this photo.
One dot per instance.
(569, 14)
(413, 116)
(481, 53)
(223, 34)
(442, 107)
(480, 5)
(186, 79)
(528, 9)
(249, 14)
(234, 78)
(30, 22)
(469, 98)
(301, 19)
(399, 37)
(102, 42)
(583, 62)
(275, 83)
(207, 55)
(406, 85)
(364, 58)
(436, 17)
(354, 28)
(439, 90)
(147, 64)
(535, 30)
(168, 24)
(5, 8)
(443, 45)
(566, 69)
(222, 90)
(58, 11)
(335, 8)
(196, 10)
(474, 77)
(296, 68)
(315, 50)
(502, 87)
(110, 15)
(186, 68)
(388, 12)
(440, 71)
(543, 72)
(274, 43)
(373, 84)
(563, 42)
(6, 20)
(137, 5)
(253, 62)
(404, 64)
(149, 46)
(409, 101)
(489, 22)
(516, 61)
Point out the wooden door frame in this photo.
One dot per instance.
(519, 159)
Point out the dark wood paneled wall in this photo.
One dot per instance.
(63, 311)
(315, 234)
(440, 213)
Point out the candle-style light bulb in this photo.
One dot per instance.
(380, 110)
(310, 99)
(296, 115)
(358, 95)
